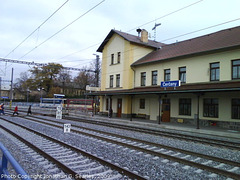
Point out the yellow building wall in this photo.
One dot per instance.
(197, 68)
(197, 71)
(129, 54)
(151, 105)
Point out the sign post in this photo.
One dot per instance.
(66, 128)
(174, 84)
(59, 112)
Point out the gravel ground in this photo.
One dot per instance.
(30, 165)
(144, 164)
(232, 155)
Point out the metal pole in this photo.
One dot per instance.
(0, 86)
(131, 108)
(97, 70)
(11, 91)
(198, 96)
(27, 96)
(159, 110)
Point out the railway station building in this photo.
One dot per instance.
(139, 77)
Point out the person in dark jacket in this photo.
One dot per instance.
(3, 109)
(29, 110)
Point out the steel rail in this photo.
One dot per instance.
(121, 170)
(188, 137)
(173, 158)
(205, 140)
(47, 156)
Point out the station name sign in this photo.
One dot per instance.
(170, 83)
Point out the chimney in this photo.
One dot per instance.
(144, 36)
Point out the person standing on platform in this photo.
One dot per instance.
(29, 110)
(15, 111)
(2, 111)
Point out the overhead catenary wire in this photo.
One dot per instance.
(168, 14)
(32, 63)
(62, 29)
(39, 64)
(29, 63)
(37, 29)
(109, 56)
(201, 29)
(79, 18)
(79, 51)
(182, 34)
(173, 12)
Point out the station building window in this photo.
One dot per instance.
(182, 74)
(210, 107)
(214, 71)
(154, 77)
(118, 80)
(112, 58)
(142, 104)
(185, 106)
(235, 108)
(119, 57)
(167, 73)
(143, 79)
(236, 69)
(111, 81)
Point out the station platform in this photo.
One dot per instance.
(208, 130)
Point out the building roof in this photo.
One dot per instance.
(129, 37)
(220, 40)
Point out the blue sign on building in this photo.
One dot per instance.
(170, 83)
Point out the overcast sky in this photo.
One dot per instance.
(75, 45)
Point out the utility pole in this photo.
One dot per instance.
(11, 91)
(97, 70)
(0, 87)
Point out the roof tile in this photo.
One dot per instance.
(215, 41)
(130, 38)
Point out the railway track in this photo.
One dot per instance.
(48, 170)
(188, 137)
(176, 135)
(77, 163)
(201, 161)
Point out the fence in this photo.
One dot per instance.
(7, 157)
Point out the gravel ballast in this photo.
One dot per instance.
(144, 164)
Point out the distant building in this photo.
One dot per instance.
(6, 95)
(208, 67)
(71, 89)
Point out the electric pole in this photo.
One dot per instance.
(11, 91)
(97, 70)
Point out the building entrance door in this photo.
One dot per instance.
(119, 107)
(166, 110)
